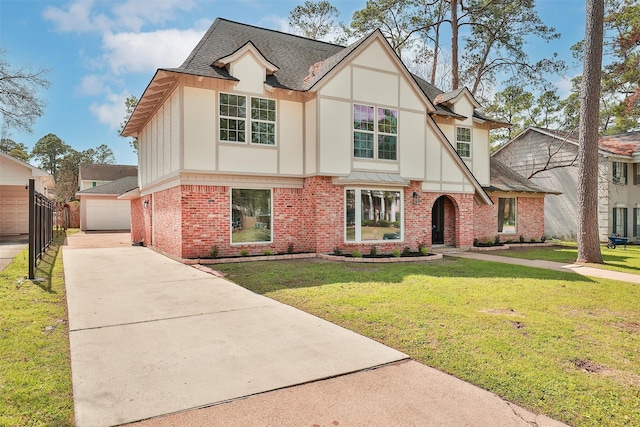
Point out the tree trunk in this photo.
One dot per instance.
(436, 48)
(454, 44)
(588, 240)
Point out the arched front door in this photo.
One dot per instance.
(437, 222)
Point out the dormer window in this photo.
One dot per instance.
(463, 141)
(234, 118)
(375, 132)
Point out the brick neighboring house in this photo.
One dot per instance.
(262, 139)
(554, 153)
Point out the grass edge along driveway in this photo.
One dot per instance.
(556, 343)
(35, 368)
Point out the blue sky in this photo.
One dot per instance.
(99, 52)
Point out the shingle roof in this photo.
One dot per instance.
(117, 187)
(293, 55)
(503, 178)
(626, 144)
(102, 172)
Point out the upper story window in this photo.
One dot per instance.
(463, 141)
(234, 118)
(375, 132)
(619, 173)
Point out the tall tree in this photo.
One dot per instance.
(20, 104)
(495, 44)
(15, 149)
(103, 155)
(588, 240)
(314, 19)
(130, 104)
(499, 30)
(67, 184)
(49, 152)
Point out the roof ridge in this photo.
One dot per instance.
(276, 31)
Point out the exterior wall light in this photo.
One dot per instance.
(416, 198)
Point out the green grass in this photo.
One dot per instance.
(35, 372)
(556, 343)
(619, 259)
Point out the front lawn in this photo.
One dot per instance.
(556, 343)
(35, 371)
(619, 259)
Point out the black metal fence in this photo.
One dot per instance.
(41, 211)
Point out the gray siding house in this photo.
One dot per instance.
(549, 159)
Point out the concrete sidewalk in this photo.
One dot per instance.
(550, 265)
(159, 342)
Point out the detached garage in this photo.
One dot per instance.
(100, 208)
(14, 197)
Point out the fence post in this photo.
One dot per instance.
(32, 228)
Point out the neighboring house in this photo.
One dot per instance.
(100, 185)
(263, 139)
(552, 156)
(14, 193)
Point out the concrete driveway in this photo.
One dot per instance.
(150, 336)
(10, 246)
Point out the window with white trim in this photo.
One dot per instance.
(619, 173)
(375, 132)
(250, 216)
(463, 141)
(234, 116)
(373, 215)
(619, 222)
(506, 215)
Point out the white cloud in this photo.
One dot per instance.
(82, 16)
(93, 85)
(112, 111)
(77, 18)
(133, 15)
(146, 52)
(564, 86)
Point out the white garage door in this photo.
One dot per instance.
(108, 214)
(14, 210)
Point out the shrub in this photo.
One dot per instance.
(373, 251)
(290, 248)
(244, 252)
(337, 251)
(213, 252)
(383, 223)
(489, 242)
(476, 242)
(396, 252)
(509, 240)
(268, 252)
(497, 240)
(406, 251)
(521, 238)
(533, 240)
(356, 254)
(424, 250)
(368, 222)
(543, 239)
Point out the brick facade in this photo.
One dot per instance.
(190, 220)
(529, 220)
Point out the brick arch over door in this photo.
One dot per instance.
(444, 217)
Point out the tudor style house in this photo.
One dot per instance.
(550, 156)
(262, 139)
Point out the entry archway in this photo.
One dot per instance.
(443, 222)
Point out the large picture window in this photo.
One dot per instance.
(250, 216)
(375, 132)
(506, 215)
(463, 141)
(373, 215)
(234, 117)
